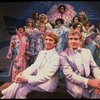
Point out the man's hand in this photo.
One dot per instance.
(97, 91)
(95, 83)
(20, 78)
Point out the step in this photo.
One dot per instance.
(4, 74)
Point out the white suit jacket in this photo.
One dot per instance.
(44, 77)
(75, 82)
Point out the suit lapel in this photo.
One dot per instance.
(75, 61)
(86, 68)
(45, 60)
(71, 60)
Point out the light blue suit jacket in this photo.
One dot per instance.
(45, 75)
(75, 81)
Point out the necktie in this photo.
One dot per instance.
(43, 60)
(79, 61)
(78, 50)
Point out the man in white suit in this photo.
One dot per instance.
(40, 76)
(81, 71)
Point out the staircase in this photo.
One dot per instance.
(4, 70)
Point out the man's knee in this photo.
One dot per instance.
(20, 94)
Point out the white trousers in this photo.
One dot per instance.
(19, 91)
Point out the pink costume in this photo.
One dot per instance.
(68, 15)
(17, 53)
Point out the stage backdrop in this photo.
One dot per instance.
(15, 13)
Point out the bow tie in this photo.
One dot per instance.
(78, 50)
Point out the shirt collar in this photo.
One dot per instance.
(49, 51)
(76, 50)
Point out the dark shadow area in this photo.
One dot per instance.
(60, 93)
(12, 23)
(4, 70)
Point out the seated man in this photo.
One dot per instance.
(80, 69)
(40, 76)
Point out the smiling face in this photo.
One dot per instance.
(50, 41)
(79, 27)
(30, 24)
(61, 9)
(42, 27)
(74, 40)
(76, 19)
(21, 29)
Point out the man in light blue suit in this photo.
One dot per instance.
(40, 76)
(81, 72)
